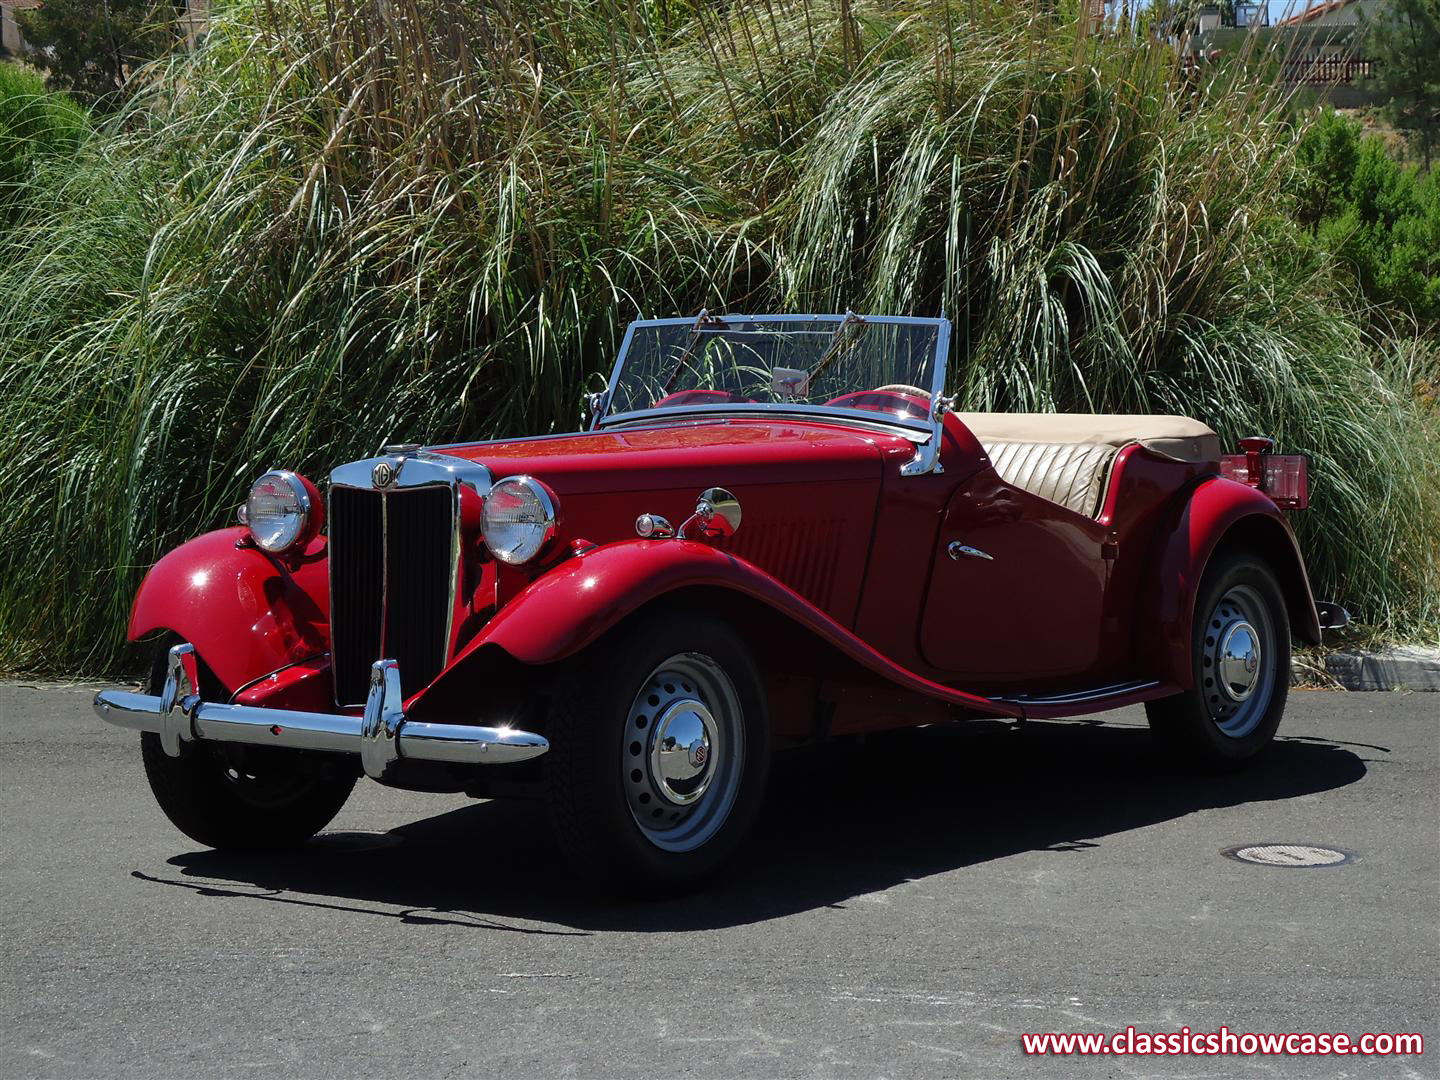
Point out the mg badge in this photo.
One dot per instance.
(383, 474)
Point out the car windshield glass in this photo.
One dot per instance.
(843, 362)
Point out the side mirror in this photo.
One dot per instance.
(717, 513)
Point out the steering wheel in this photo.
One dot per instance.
(902, 388)
(894, 398)
(703, 397)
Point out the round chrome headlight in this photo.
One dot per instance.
(282, 511)
(519, 519)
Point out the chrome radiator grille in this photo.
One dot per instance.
(392, 560)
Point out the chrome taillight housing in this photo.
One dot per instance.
(1283, 477)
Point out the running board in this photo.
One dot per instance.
(1096, 699)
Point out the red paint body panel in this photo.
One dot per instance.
(686, 452)
(1060, 614)
(303, 687)
(985, 621)
(1214, 511)
(906, 531)
(245, 614)
(810, 535)
(570, 607)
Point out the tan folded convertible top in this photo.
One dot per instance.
(1178, 437)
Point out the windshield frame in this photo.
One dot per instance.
(919, 426)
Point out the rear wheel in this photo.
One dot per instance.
(1240, 651)
(230, 796)
(659, 752)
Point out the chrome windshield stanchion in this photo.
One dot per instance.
(927, 454)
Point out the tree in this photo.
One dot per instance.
(1404, 42)
(90, 47)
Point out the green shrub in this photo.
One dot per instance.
(399, 222)
(1381, 218)
(35, 124)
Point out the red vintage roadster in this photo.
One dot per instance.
(774, 529)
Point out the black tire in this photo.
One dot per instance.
(599, 788)
(1206, 726)
(235, 797)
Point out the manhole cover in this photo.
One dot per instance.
(1300, 855)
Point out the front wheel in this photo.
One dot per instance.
(228, 796)
(1240, 652)
(659, 752)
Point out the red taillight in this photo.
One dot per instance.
(1284, 477)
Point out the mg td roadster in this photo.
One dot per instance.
(773, 529)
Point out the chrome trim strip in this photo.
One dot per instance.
(927, 458)
(1078, 696)
(912, 428)
(792, 317)
(381, 737)
(269, 674)
(415, 470)
(601, 413)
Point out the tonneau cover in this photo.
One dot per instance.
(1178, 437)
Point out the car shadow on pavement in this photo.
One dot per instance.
(843, 819)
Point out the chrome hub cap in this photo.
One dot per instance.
(1237, 661)
(1239, 664)
(680, 744)
(683, 752)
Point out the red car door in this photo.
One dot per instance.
(1017, 590)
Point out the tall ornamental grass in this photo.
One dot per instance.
(35, 125)
(341, 225)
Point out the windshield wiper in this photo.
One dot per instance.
(838, 344)
(702, 320)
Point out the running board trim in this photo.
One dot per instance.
(1080, 697)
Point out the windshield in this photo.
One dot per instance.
(885, 365)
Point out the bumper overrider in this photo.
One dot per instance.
(381, 736)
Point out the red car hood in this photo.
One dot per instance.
(722, 451)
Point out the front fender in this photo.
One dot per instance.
(245, 614)
(1220, 512)
(574, 604)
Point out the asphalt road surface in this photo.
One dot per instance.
(909, 907)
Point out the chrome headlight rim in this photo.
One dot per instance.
(550, 519)
(307, 515)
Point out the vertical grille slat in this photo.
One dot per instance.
(419, 564)
(391, 558)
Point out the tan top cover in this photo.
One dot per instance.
(1178, 437)
(1071, 474)
(1066, 457)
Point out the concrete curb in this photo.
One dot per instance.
(1405, 667)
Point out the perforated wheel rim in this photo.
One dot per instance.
(1238, 692)
(684, 752)
(265, 783)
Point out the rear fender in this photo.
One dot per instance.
(574, 604)
(1220, 515)
(245, 614)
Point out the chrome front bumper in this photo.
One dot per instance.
(382, 736)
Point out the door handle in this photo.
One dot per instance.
(958, 551)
